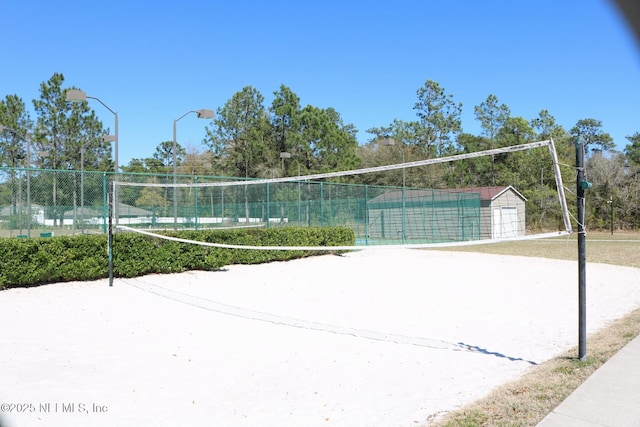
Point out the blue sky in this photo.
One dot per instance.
(154, 61)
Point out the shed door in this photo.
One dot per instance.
(509, 222)
(505, 222)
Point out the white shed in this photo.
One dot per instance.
(502, 212)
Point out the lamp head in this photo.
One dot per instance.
(205, 114)
(76, 95)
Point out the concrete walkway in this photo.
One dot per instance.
(609, 397)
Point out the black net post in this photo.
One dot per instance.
(582, 185)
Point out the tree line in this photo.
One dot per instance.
(250, 140)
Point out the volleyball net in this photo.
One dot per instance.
(470, 198)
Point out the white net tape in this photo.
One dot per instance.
(362, 171)
(393, 217)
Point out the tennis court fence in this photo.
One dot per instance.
(42, 203)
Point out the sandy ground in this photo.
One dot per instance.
(371, 338)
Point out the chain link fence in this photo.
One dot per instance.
(42, 203)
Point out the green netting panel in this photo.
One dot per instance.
(424, 216)
(45, 202)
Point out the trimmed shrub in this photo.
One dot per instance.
(32, 262)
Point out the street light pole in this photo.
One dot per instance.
(201, 114)
(284, 155)
(79, 95)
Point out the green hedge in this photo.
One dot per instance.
(31, 262)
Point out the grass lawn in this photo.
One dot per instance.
(616, 249)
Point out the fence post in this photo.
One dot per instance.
(104, 203)
(110, 239)
(195, 193)
(321, 205)
(268, 208)
(366, 214)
